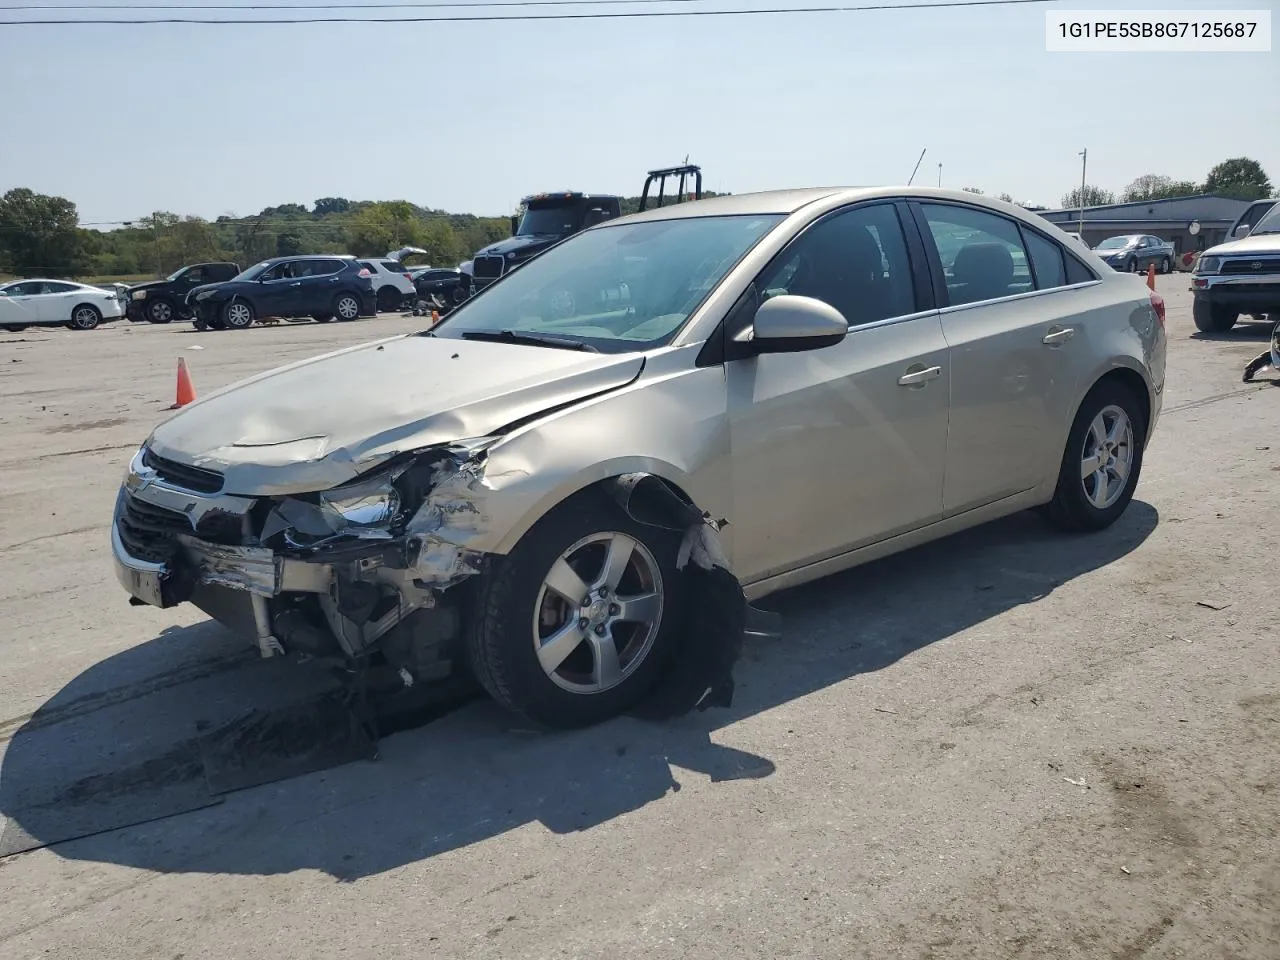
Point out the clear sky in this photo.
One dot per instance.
(470, 116)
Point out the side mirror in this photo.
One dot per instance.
(1243, 231)
(791, 324)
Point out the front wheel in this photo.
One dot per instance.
(85, 317)
(1212, 317)
(346, 306)
(1132, 265)
(237, 315)
(1102, 461)
(160, 311)
(575, 625)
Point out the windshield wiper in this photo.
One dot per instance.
(532, 339)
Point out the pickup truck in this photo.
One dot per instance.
(1239, 276)
(1135, 252)
(162, 301)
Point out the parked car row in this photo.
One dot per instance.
(56, 303)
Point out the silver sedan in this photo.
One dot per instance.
(777, 386)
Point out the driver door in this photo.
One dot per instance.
(837, 448)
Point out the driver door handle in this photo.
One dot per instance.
(918, 377)
(296, 283)
(1058, 336)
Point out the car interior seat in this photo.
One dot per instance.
(982, 271)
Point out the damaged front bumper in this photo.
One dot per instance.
(346, 593)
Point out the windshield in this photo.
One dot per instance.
(617, 288)
(175, 275)
(1268, 224)
(560, 220)
(1114, 243)
(253, 271)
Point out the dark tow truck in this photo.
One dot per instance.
(549, 218)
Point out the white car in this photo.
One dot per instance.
(51, 303)
(392, 282)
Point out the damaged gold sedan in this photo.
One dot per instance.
(779, 385)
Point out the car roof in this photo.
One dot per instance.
(787, 202)
(310, 256)
(74, 283)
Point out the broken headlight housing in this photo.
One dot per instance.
(375, 507)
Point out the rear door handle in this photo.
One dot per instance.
(1058, 336)
(919, 376)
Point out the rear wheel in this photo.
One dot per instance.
(160, 311)
(1102, 460)
(1213, 317)
(322, 317)
(238, 315)
(16, 327)
(576, 623)
(346, 306)
(389, 299)
(85, 317)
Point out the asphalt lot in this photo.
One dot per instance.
(1008, 744)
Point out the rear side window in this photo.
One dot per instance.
(325, 268)
(981, 253)
(368, 265)
(393, 266)
(1046, 261)
(1077, 272)
(55, 287)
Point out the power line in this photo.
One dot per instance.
(465, 18)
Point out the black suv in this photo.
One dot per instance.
(320, 286)
(161, 301)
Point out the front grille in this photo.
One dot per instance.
(487, 268)
(1264, 265)
(149, 532)
(181, 475)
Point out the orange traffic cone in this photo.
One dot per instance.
(186, 392)
(1151, 276)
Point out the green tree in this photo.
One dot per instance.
(1239, 177)
(40, 234)
(288, 245)
(384, 226)
(1092, 197)
(1154, 186)
(330, 205)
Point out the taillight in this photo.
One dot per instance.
(1157, 304)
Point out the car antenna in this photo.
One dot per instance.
(917, 169)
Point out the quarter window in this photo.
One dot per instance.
(982, 254)
(1046, 260)
(855, 261)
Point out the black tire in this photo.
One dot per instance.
(1165, 265)
(160, 311)
(1071, 509)
(16, 328)
(389, 299)
(322, 317)
(500, 643)
(85, 316)
(1212, 317)
(237, 315)
(199, 324)
(346, 307)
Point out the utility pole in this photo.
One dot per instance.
(1084, 161)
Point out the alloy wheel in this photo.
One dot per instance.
(85, 318)
(238, 316)
(347, 308)
(1107, 458)
(598, 613)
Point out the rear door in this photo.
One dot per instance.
(321, 284)
(56, 300)
(1010, 318)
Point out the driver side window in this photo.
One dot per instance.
(854, 260)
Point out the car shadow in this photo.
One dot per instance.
(473, 774)
(1245, 331)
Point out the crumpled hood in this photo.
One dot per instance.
(149, 285)
(321, 422)
(1261, 243)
